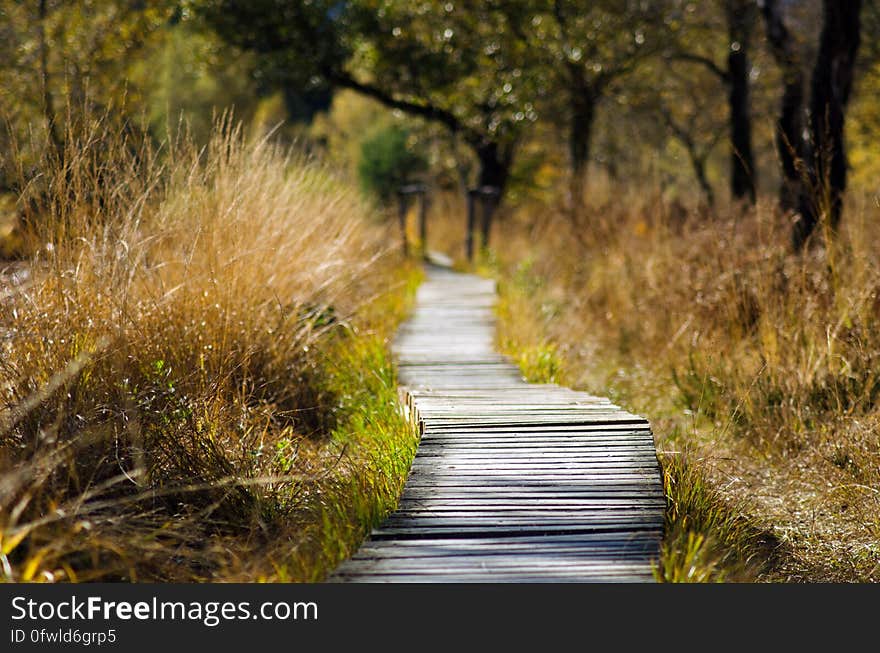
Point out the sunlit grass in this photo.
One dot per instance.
(194, 384)
(707, 538)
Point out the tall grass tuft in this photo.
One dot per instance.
(708, 538)
(169, 399)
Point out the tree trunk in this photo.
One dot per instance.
(582, 100)
(698, 163)
(790, 126)
(583, 114)
(742, 179)
(697, 158)
(829, 93)
(790, 140)
(495, 160)
(48, 106)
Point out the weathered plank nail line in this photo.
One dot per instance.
(513, 482)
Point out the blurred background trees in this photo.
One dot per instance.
(711, 102)
(387, 161)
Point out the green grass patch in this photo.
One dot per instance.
(374, 445)
(705, 538)
(539, 363)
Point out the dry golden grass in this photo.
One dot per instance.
(759, 366)
(182, 381)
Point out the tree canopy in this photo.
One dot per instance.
(500, 93)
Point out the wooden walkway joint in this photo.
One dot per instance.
(512, 481)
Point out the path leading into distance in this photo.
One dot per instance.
(512, 481)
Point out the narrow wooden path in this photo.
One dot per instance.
(512, 482)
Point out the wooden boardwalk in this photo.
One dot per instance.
(512, 481)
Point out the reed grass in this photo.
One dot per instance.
(194, 384)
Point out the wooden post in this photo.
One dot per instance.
(423, 221)
(488, 196)
(469, 234)
(401, 218)
(486, 219)
(403, 193)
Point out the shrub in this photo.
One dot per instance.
(388, 162)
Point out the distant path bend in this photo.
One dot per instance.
(512, 481)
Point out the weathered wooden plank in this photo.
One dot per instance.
(536, 517)
(613, 561)
(468, 503)
(541, 448)
(525, 429)
(577, 459)
(476, 530)
(439, 578)
(525, 443)
(524, 471)
(512, 560)
(497, 515)
(409, 549)
(587, 539)
(460, 578)
(512, 454)
(474, 493)
(511, 478)
(577, 484)
(509, 426)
